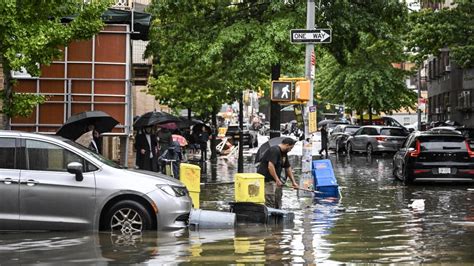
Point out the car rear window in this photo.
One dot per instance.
(350, 129)
(393, 132)
(442, 143)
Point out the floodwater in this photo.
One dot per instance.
(377, 220)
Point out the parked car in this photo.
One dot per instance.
(250, 136)
(434, 156)
(332, 125)
(340, 134)
(372, 139)
(51, 183)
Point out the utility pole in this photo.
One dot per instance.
(307, 156)
(240, 160)
(418, 110)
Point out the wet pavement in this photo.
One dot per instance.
(377, 220)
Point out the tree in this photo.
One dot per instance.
(358, 69)
(206, 53)
(32, 34)
(453, 28)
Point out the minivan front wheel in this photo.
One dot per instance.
(128, 218)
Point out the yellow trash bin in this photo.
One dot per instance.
(249, 187)
(190, 176)
(195, 199)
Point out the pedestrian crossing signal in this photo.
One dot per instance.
(282, 91)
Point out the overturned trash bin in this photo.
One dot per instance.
(324, 179)
(203, 219)
(249, 212)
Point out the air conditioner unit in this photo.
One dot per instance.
(447, 68)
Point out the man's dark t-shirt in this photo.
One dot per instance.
(278, 159)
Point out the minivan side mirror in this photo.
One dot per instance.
(76, 168)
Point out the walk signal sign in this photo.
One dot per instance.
(282, 91)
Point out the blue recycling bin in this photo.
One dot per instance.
(324, 179)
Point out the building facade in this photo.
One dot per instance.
(450, 88)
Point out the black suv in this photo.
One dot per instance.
(250, 136)
(434, 156)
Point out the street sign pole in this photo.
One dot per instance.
(306, 181)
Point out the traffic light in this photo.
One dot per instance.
(282, 91)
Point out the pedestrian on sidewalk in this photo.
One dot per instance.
(324, 141)
(271, 166)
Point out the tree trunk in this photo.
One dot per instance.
(7, 87)
(214, 134)
(275, 107)
(370, 115)
(361, 117)
(240, 166)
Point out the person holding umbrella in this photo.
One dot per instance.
(324, 140)
(271, 164)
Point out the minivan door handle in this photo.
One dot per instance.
(9, 181)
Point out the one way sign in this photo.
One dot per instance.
(311, 36)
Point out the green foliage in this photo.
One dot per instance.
(357, 68)
(207, 52)
(32, 34)
(24, 103)
(451, 28)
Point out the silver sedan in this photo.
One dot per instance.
(50, 183)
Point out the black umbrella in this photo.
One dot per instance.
(325, 122)
(76, 125)
(265, 146)
(186, 123)
(154, 118)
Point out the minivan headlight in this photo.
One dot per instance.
(173, 190)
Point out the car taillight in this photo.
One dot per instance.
(380, 138)
(467, 171)
(421, 171)
(469, 151)
(417, 151)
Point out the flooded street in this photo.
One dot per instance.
(377, 220)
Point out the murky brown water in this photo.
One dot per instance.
(371, 223)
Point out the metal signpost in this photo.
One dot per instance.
(309, 37)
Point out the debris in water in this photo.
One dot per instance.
(418, 204)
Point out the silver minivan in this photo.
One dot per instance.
(372, 139)
(51, 183)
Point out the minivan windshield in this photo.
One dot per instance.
(93, 154)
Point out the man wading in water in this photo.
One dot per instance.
(271, 164)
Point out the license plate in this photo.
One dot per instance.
(444, 170)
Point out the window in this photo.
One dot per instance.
(443, 143)
(393, 132)
(7, 153)
(350, 129)
(464, 99)
(372, 131)
(48, 157)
